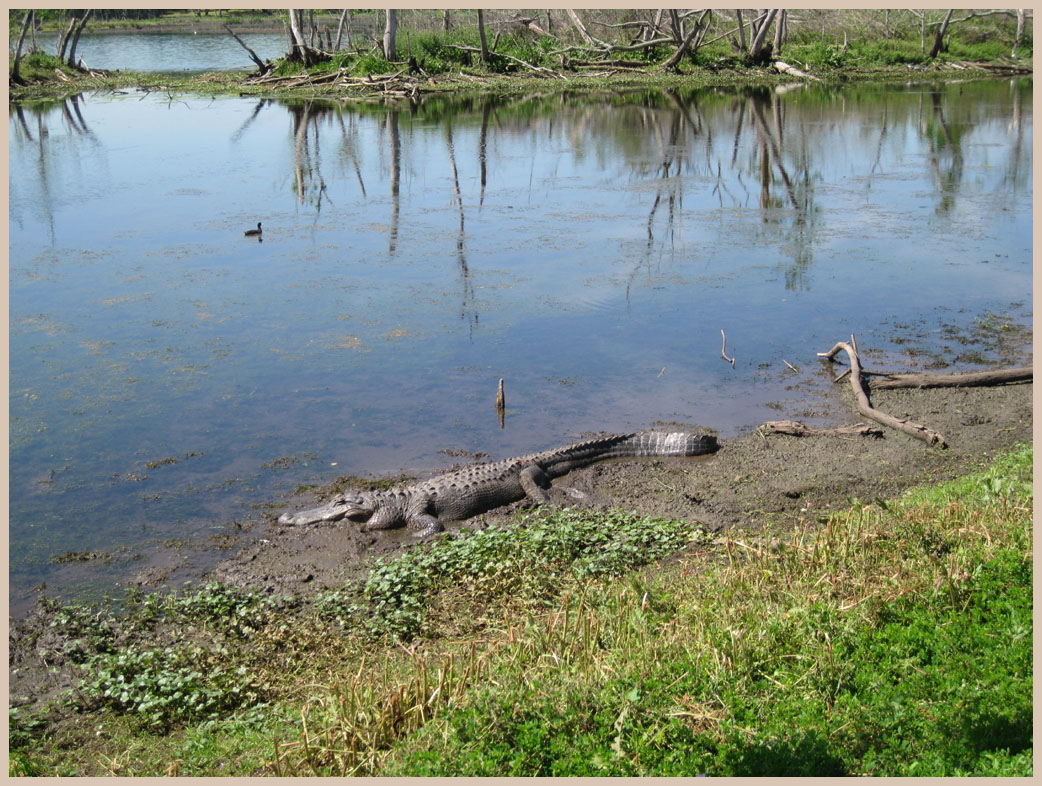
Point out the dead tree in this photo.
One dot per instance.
(757, 52)
(579, 26)
(300, 50)
(16, 77)
(481, 37)
(262, 67)
(696, 29)
(63, 39)
(340, 29)
(779, 32)
(1021, 18)
(938, 39)
(76, 39)
(391, 35)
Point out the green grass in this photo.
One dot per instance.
(893, 642)
(892, 639)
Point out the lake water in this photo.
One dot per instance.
(168, 374)
(170, 52)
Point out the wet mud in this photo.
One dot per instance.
(751, 481)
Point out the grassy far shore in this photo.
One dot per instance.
(885, 639)
(522, 60)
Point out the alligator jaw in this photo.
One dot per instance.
(334, 511)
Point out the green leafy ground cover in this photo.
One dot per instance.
(888, 639)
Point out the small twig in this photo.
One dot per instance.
(787, 363)
(723, 349)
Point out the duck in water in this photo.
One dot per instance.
(253, 232)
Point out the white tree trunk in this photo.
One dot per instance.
(391, 34)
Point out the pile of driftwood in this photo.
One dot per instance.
(400, 84)
(882, 380)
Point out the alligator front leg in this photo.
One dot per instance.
(424, 525)
(384, 517)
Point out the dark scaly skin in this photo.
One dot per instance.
(466, 492)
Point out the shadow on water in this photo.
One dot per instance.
(588, 249)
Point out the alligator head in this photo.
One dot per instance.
(355, 508)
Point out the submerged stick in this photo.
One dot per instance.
(864, 406)
(723, 349)
(501, 405)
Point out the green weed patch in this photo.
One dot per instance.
(528, 562)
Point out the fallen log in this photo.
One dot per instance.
(1000, 376)
(794, 428)
(785, 68)
(864, 406)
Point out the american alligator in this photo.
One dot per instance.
(466, 492)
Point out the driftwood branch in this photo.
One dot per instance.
(1000, 376)
(864, 406)
(785, 68)
(795, 428)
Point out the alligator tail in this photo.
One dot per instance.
(667, 443)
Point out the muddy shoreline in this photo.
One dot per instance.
(751, 481)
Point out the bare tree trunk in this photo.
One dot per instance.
(756, 45)
(297, 37)
(779, 32)
(445, 20)
(1020, 30)
(390, 34)
(481, 37)
(340, 28)
(671, 64)
(16, 77)
(63, 39)
(941, 30)
(741, 28)
(580, 27)
(675, 24)
(76, 38)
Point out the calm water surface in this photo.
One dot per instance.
(170, 52)
(168, 373)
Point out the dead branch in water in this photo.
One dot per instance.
(864, 406)
(723, 349)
